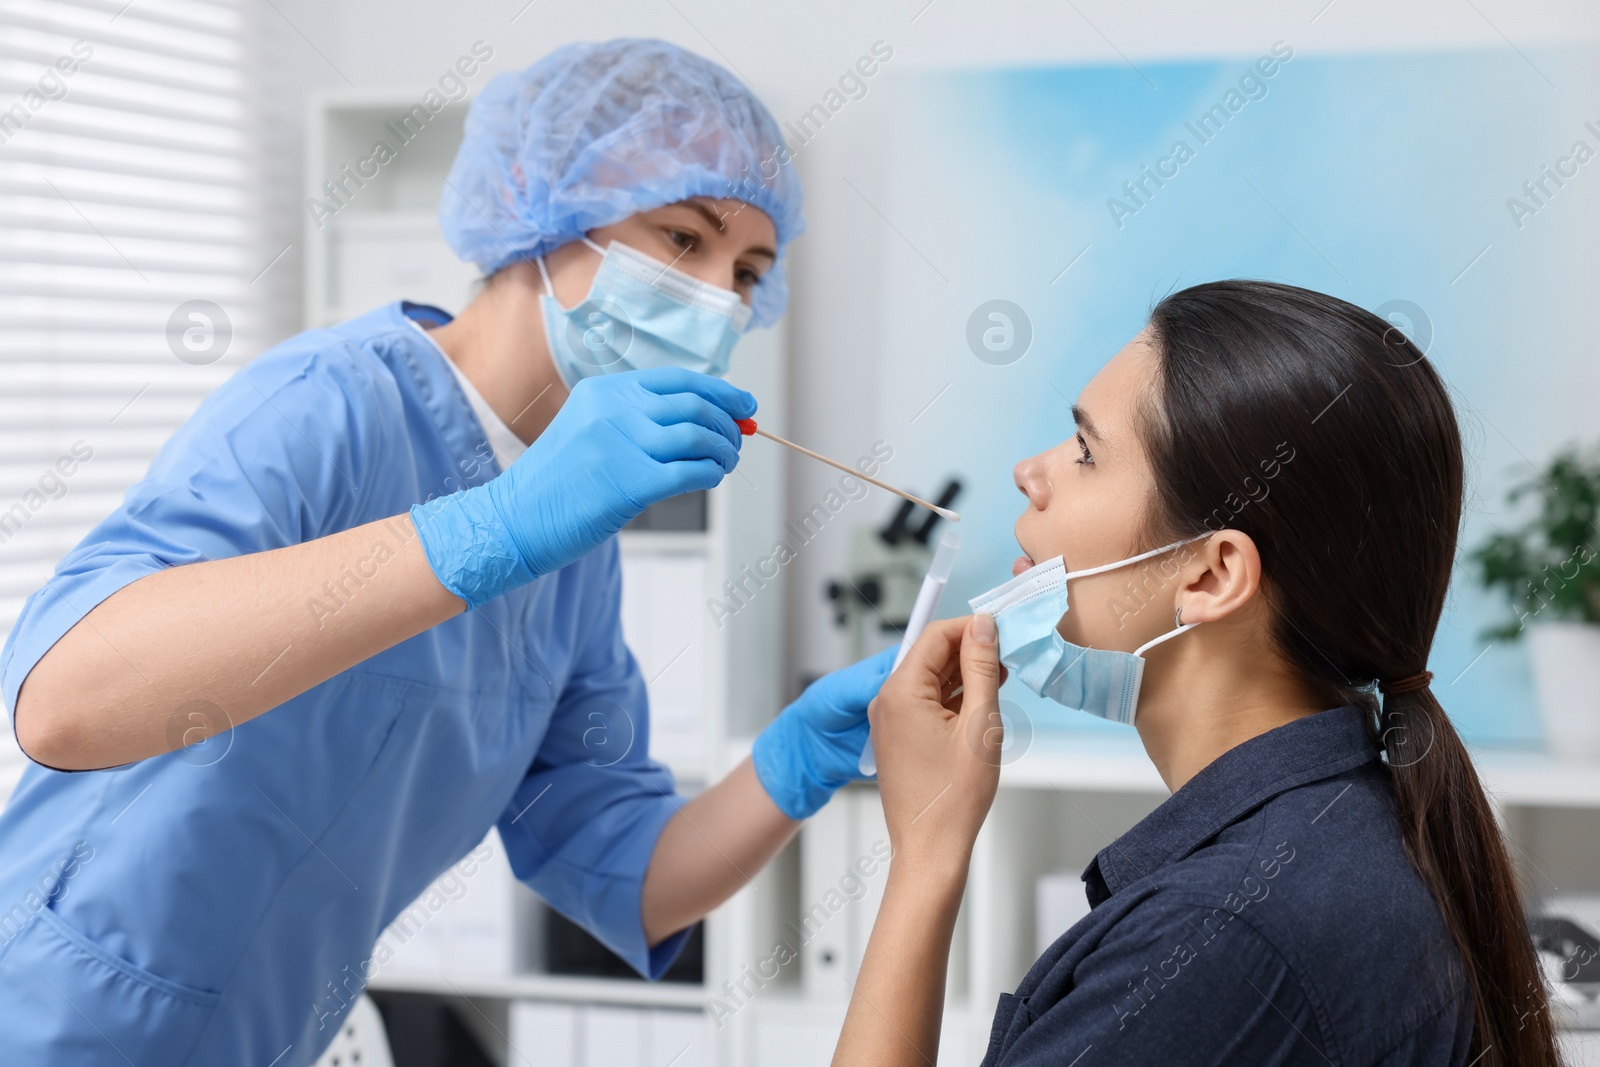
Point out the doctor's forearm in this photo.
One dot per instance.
(179, 654)
(710, 850)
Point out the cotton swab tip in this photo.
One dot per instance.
(946, 513)
(747, 427)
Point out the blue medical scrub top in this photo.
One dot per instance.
(210, 906)
(1264, 914)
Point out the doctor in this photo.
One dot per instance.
(364, 605)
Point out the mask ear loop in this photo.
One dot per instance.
(1179, 626)
(1169, 635)
(1140, 558)
(544, 272)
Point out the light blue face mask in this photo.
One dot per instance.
(641, 313)
(1096, 680)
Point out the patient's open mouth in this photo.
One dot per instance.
(1024, 561)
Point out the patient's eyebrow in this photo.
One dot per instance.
(1085, 423)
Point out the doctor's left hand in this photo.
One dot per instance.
(814, 746)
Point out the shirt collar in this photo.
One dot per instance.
(505, 444)
(1243, 778)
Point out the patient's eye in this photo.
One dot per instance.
(1087, 457)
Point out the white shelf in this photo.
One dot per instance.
(554, 987)
(1576, 1017)
(407, 222)
(1104, 764)
(1535, 780)
(1086, 763)
(797, 1031)
(665, 541)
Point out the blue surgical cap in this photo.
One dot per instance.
(594, 133)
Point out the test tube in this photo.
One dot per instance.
(922, 613)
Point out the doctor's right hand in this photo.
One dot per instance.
(620, 443)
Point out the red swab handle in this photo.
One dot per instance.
(746, 426)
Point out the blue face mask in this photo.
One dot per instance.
(641, 313)
(1096, 680)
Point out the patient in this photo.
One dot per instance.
(1327, 883)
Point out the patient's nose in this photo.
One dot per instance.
(1031, 479)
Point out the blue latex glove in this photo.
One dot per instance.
(620, 443)
(814, 746)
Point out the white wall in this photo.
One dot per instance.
(792, 52)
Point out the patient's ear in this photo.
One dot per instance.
(1217, 576)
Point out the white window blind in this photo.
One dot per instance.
(126, 193)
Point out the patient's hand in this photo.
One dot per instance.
(936, 725)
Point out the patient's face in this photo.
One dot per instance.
(1087, 502)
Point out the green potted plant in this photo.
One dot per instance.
(1549, 572)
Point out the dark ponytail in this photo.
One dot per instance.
(1357, 539)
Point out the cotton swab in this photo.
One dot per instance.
(749, 427)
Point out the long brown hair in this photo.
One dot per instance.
(1356, 548)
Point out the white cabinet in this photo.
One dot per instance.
(374, 258)
(545, 1034)
(671, 637)
(476, 918)
(370, 231)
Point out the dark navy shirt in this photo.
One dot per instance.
(1266, 913)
